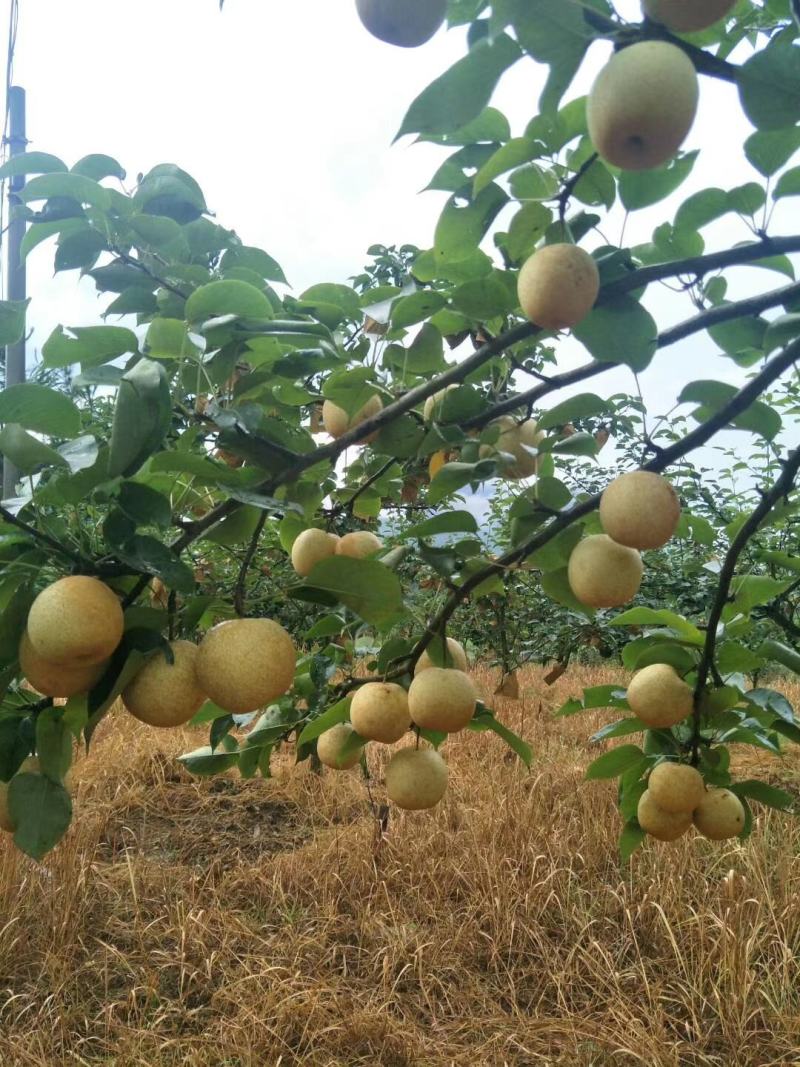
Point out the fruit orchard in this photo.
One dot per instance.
(216, 420)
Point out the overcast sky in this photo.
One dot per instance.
(285, 113)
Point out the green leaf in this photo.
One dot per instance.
(555, 584)
(80, 249)
(142, 417)
(527, 229)
(144, 505)
(37, 408)
(27, 453)
(53, 743)
(759, 418)
(332, 717)
(662, 617)
(620, 728)
(631, 838)
(446, 523)
(12, 321)
(460, 94)
(31, 163)
(228, 298)
(642, 188)
(769, 86)
(41, 811)
(769, 150)
(204, 762)
(486, 721)
(151, 556)
(461, 228)
(365, 586)
(89, 345)
(515, 152)
(613, 763)
(416, 307)
(621, 331)
(788, 184)
(71, 186)
(764, 794)
(454, 476)
(780, 653)
(556, 34)
(701, 209)
(98, 166)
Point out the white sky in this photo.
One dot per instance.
(285, 114)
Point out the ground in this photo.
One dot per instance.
(230, 924)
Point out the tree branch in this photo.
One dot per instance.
(239, 594)
(46, 539)
(347, 505)
(781, 488)
(699, 436)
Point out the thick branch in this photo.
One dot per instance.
(781, 488)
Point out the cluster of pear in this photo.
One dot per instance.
(676, 797)
(638, 510)
(313, 545)
(76, 624)
(337, 422)
(439, 698)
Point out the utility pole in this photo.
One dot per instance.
(17, 277)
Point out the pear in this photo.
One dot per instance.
(77, 621)
(719, 815)
(455, 650)
(379, 712)
(640, 509)
(687, 16)
(515, 438)
(558, 286)
(337, 422)
(166, 694)
(330, 745)
(603, 574)
(659, 696)
(405, 23)
(310, 547)
(243, 664)
(359, 544)
(432, 410)
(416, 778)
(57, 679)
(660, 824)
(442, 699)
(676, 787)
(435, 463)
(642, 105)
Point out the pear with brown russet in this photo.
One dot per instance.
(77, 621)
(379, 712)
(558, 286)
(243, 664)
(720, 815)
(165, 694)
(642, 105)
(676, 787)
(660, 824)
(57, 679)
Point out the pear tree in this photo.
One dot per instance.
(216, 420)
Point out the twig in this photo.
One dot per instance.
(781, 488)
(46, 539)
(568, 188)
(241, 582)
(347, 505)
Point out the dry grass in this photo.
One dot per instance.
(259, 923)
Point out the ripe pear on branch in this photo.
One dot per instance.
(557, 286)
(310, 547)
(603, 574)
(337, 422)
(640, 509)
(165, 694)
(75, 621)
(687, 16)
(416, 778)
(379, 712)
(642, 105)
(331, 744)
(243, 664)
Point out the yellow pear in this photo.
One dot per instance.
(310, 547)
(719, 815)
(76, 620)
(166, 694)
(379, 712)
(359, 544)
(28, 766)
(57, 679)
(337, 422)
(330, 745)
(432, 411)
(603, 574)
(435, 463)
(676, 787)
(642, 105)
(659, 696)
(515, 438)
(660, 824)
(558, 286)
(243, 664)
(442, 699)
(416, 778)
(640, 509)
(687, 16)
(405, 23)
(457, 655)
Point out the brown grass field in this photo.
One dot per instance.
(233, 923)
